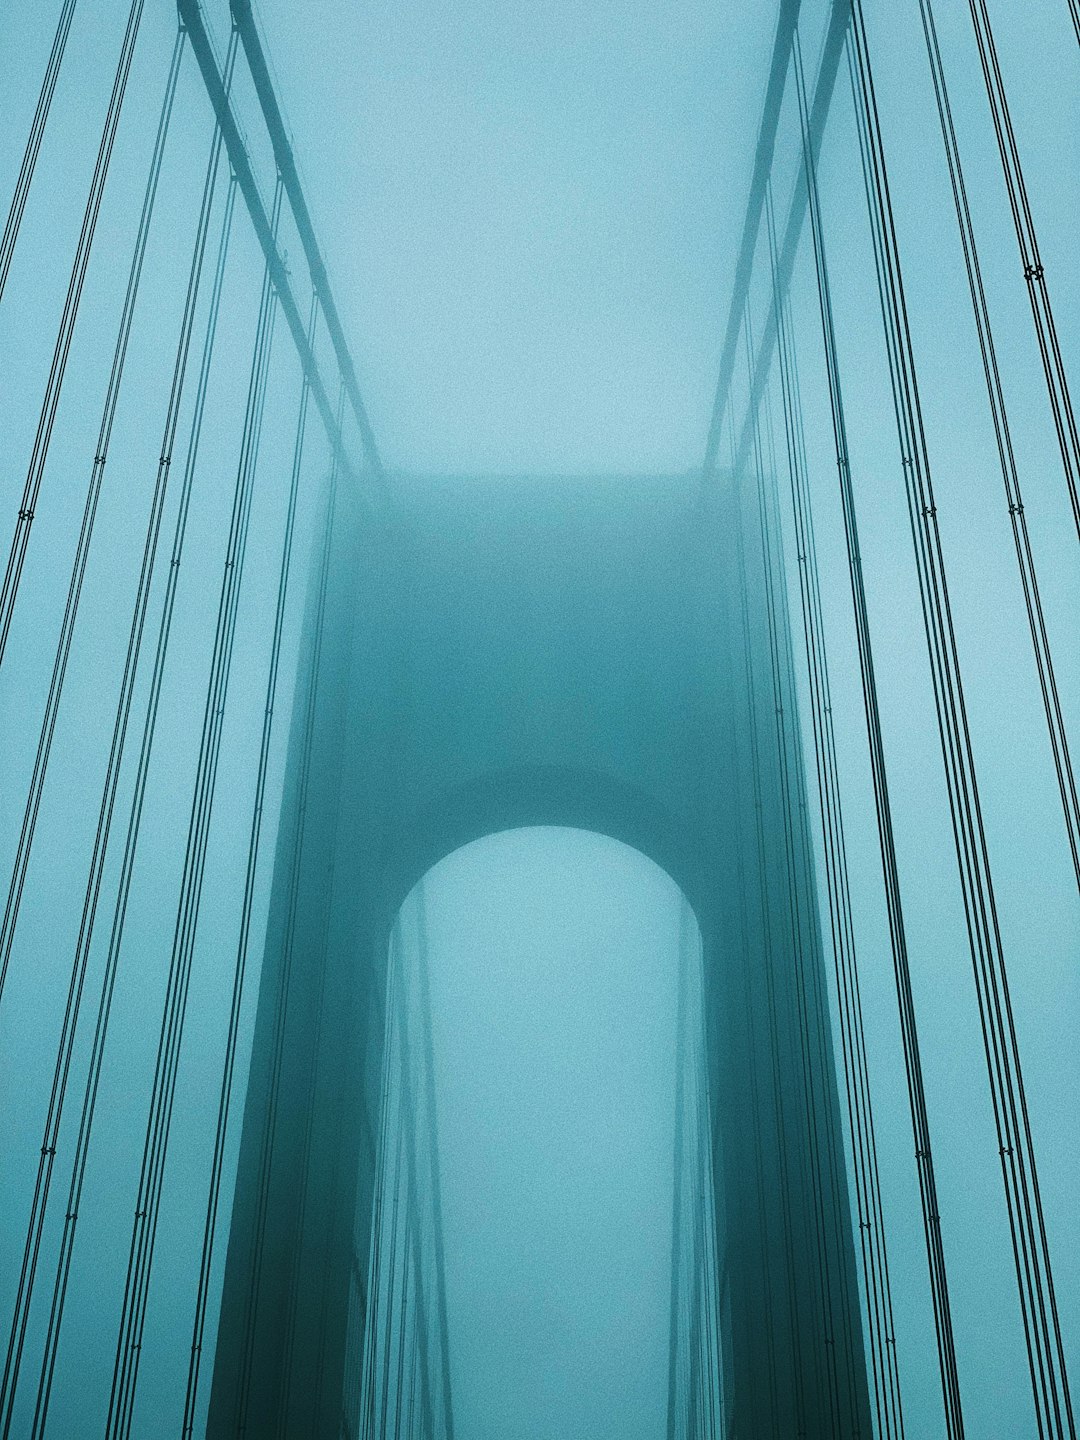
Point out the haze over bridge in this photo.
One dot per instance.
(644, 657)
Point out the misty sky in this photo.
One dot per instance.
(531, 210)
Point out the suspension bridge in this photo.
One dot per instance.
(392, 665)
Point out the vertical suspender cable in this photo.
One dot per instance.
(424, 984)
(1025, 559)
(350, 1399)
(414, 1371)
(388, 1317)
(403, 1322)
(79, 965)
(1046, 1359)
(246, 906)
(39, 454)
(713, 1421)
(853, 1041)
(697, 1420)
(144, 1229)
(883, 808)
(808, 961)
(352, 1388)
(1057, 384)
(694, 1408)
(336, 1180)
(768, 946)
(89, 1101)
(354, 1323)
(86, 528)
(408, 1109)
(711, 1425)
(329, 1257)
(291, 912)
(375, 1259)
(33, 143)
(674, 1357)
(707, 1422)
(768, 958)
(266, 1155)
(421, 1308)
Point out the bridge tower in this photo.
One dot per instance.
(504, 652)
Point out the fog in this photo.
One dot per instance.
(530, 215)
(553, 972)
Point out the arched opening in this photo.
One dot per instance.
(542, 1258)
